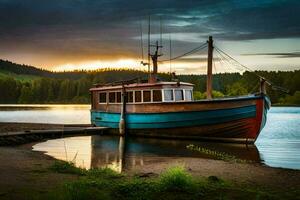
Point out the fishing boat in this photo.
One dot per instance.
(167, 109)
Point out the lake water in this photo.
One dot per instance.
(278, 144)
(54, 114)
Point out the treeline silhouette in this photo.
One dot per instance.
(73, 87)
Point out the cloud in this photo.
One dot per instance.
(102, 29)
(278, 55)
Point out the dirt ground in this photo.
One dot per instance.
(22, 169)
(248, 174)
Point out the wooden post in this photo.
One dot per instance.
(209, 68)
(262, 88)
(121, 153)
(123, 112)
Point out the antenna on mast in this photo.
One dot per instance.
(170, 49)
(152, 75)
(154, 57)
(160, 20)
(142, 45)
(149, 32)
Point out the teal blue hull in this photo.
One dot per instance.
(174, 119)
(233, 124)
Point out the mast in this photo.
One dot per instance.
(153, 75)
(209, 68)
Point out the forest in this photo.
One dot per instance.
(42, 86)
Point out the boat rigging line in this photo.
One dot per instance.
(229, 59)
(170, 53)
(224, 57)
(160, 20)
(149, 33)
(199, 48)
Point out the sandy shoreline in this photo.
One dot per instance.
(23, 169)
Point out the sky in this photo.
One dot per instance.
(90, 34)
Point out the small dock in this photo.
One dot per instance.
(55, 131)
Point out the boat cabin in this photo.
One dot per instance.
(142, 93)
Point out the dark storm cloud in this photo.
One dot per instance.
(278, 55)
(89, 29)
(278, 20)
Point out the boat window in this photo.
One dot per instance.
(102, 97)
(168, 95)
(129, 97)
(146, 96)
(157, 95)
(188, 95)
(138, 96)
(178, 95)
(112, 97)
(118, 97)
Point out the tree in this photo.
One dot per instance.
(236, 89)
(291, 100)
(26, 95)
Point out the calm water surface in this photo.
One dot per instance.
(278, 144)
(54, 114)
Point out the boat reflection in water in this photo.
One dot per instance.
(124, 154)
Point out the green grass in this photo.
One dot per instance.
(67, 167)
(176, 179)
(174, 183)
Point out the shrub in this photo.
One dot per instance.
(177, 179)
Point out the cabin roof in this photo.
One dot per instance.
(140, 85)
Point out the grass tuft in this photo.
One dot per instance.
(67, 167)
(176, 179)
(174, 183)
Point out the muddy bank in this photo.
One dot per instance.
(22, 169)
(16, 127)
(248, 174)
(25, 173)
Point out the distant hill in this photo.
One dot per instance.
(22, 69)
(18, 71)
(27, 84)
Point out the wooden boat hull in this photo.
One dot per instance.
(233, 119)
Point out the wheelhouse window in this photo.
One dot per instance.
(118, 97)
(112, 97)
(188, 95)
(102, 97)
(129, 97)
(146, 96)
(168, 95)
(138, 96)
(179, 95)
(157, 97)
